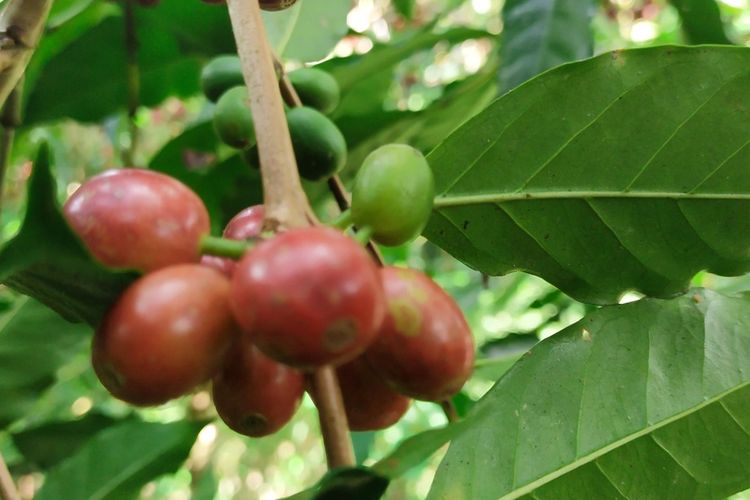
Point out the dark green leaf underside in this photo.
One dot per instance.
(628, 171)
(645, 400)
(48, 262)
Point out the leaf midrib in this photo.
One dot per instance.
(528, 488)
(481, 199)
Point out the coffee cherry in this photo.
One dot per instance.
(319, 146)
(370, 403)
(138, 219)
(233, 120)
(276, 4)
(166, 334)
(308, 297)
(316, 88)
(246, 225)
(254, 395)
(425, 349)
(393, 194)
(221, 74)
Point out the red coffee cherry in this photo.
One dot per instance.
(166, 334)
(425, 349)
(370, 403)
(308, 297)
(246, 225)
(253, 394)
(138, 219)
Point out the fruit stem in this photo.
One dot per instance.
(343, 221)
(222, 247)
(285, 202)
(326, 395)
(8, 489)
(450, 410)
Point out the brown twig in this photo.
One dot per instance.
(285, 201)
(10, 119)
(133, 83)
(326, 394)
(21, 26)
(8, 489)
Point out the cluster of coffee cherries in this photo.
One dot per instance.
(319, 145)
(288, 304)
(264, 4)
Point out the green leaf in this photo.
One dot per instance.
(226, 186)
(309, 30)
(362, 443)
(117, 462)
(645, 400)
(701, 21)
(48, 444)
(542, 34)
(34, 343)
(623, 172)
(87, 79)
(48, 262)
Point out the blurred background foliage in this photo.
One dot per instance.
(411, 71)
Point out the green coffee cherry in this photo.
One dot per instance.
(219, 75)
(393, 194)
(319, 146)
(316, 89)
(233, 120)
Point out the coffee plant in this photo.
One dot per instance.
(348, 249)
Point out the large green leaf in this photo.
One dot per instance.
(542, 34)
(645, 400)
(309, 30)
(48, 262)
(624, 172)
(87, 79)
(34, 343)
(701, 21)
(117, 462)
